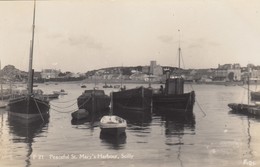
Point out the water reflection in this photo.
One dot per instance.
(248, 117)
(176, 126)
(25, 132)
(113, 141)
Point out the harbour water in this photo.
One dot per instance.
(213, 136)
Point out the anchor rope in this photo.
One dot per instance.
(38, 108)
(68, 107)
(197, 102)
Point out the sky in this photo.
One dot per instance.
(83, 35)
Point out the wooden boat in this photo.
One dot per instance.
(173, 99)
(50, 96)
(83, 86)
(96, 102)
(132, 101)
(3, 104)
(112, 124)
(255, 96)
(30, 106)
(247, 109)
(61, 92)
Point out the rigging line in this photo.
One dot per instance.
(85, 102)
(38, 108)
(197, 102)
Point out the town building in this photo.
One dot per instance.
(50, 73)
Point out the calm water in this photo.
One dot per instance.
(212, 137)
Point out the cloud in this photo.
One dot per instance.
(165, 38)
(86, 41)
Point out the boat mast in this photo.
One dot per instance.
(179, 50)
(30, 73)
(248, 88)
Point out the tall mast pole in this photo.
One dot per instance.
(248, 89)
(30, 73)
(179, 50)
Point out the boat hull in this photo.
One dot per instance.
(112, 125)
(255, 96)
(113, 131)
(29, 108)
(80, 114)
(167, 104)
(245, 108)
(135, 101)
(96, 104)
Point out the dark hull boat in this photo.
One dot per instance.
(172, 99)
(32, 105)
(132, 101)
(182, 103)
(255, 96)
(245, 109)
(50, 96)
(28, 107)
(96, 102)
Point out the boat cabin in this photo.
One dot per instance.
(174, 86)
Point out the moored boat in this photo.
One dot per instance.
(173, 99)
(61, 92)
(112, 124)
(80, 114)
(96, 102)
(30, 106)
(245, 108)
(132, 101)
(255, 96)
(50, 96)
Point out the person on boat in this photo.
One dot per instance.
(123, 88)
(161, 89)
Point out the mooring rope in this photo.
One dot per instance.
(64, 101)
(38, 108)
(68, 107)
(64, 107)
(197, 102)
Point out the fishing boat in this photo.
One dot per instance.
(50, 96)
(172, 99)
(132, 101)
(247, 109)
(30, 106)
(112, 124)
(61, 92)
(255, 96)
(95, 101)
(83, 86)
